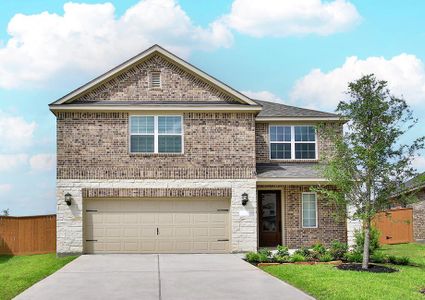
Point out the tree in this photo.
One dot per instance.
(369, 163)
(5, 212)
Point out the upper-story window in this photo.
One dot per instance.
(156, 134)
(155, 79)
(293, 142)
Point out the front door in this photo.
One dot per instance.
(270, 230)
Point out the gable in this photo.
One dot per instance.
(177, 85)
(181, 83)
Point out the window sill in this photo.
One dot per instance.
(294, 160)
(156, 154)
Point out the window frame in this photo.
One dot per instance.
(156, 134)
(302, 210)
(293, 143)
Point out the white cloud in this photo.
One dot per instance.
(42, 162)
(12, 161)
(88, 38)
(262, 95)
(288, 17)
(5, 187)
(405, 75)
(15, 132)
(419, 163)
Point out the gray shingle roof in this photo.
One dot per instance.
(415, 183)
(288, 170)
(273, 109)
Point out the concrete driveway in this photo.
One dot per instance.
(161, 276)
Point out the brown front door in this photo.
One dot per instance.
(269, 216)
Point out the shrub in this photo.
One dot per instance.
(398, 260)
(378, 257)
(338, 249)
(297, 257)
(264, 255)
(304, 251)
(281, 258)
(282, 250)
(325, 257)
(319, 248)
(252, 257)
(374, 240)
(354, 256)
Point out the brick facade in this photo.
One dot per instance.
(177, 85)
(96, 146)
(154, 192)
(262, 150)
(330, 226)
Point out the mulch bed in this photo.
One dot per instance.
(372, 268)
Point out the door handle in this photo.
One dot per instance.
(280, 226)
(157, 231)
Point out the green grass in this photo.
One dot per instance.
(327, 282)
(18, 273)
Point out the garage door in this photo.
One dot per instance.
(156, 226)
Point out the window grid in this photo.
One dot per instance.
(171, 141)
(309, 210)
(308, 153)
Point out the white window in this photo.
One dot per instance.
(309, 210)
(156, 134)
(155, 80)
(293, 142)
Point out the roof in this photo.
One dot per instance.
(289, 170)
(155, 49)
(415, 183)
(273, 109)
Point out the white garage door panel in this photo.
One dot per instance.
(145, 225)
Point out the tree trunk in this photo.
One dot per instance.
(365, 264)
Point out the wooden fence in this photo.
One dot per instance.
(395, 226)
(28, 235)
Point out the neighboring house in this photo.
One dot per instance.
(416, 186)
(157, 156)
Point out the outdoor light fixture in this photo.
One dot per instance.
(244, 199)
(68, 198)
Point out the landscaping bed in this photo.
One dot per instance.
(329, 282)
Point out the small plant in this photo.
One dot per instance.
(264, 255)
(282, 250)
(354, 256)
(374, 240)
(298, 257)
(281, 258)
(304, 251)
(252, 257)
(379, 258)
(398, 260)
(319, 248)
(325, 257)
(338, 249)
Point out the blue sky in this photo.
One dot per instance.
(298, 52)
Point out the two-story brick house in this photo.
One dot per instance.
(158, 156)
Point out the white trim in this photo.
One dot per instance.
(275, 180)
(279, 119)
(155, 134)
(293, 143)
(143, 55)
(158, 107)
(302, 209)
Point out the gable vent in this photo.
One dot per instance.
(155, 79)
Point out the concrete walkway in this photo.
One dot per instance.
(163, 276)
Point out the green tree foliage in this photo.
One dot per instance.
(369, 163)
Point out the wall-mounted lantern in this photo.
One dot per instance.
(68, 199)
(244, 199)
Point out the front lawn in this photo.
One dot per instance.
(18, 273)
(327, 282)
